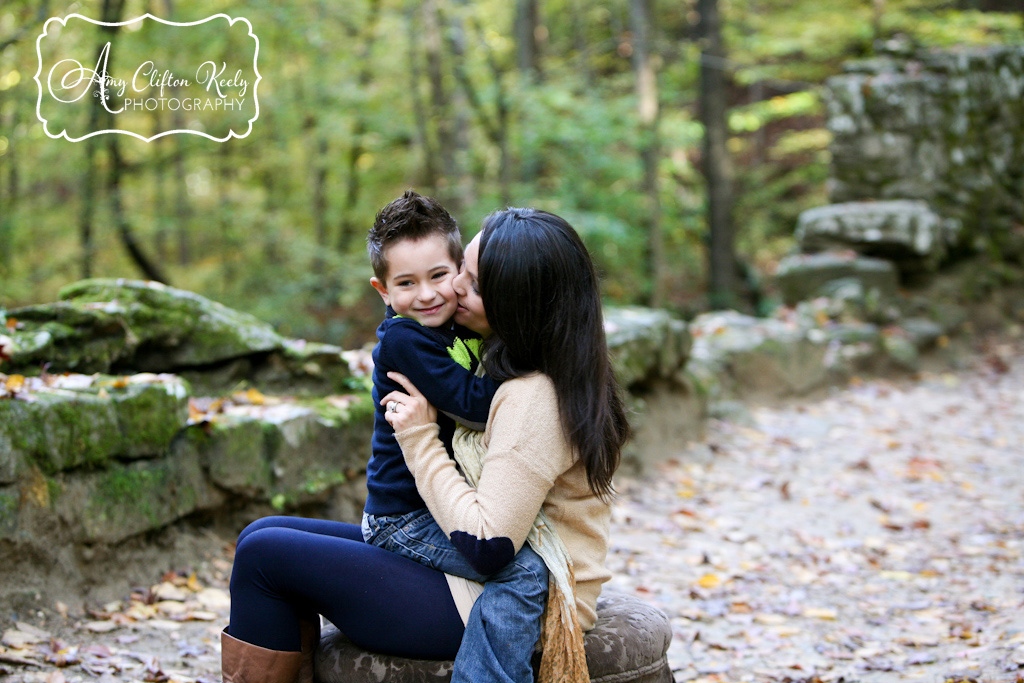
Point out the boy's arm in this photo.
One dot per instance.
(449, 387)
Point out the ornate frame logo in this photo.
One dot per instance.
(213, 92)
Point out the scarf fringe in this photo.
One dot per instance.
(563, 658)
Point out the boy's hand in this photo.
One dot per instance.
(405, 411)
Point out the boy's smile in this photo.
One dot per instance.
(419, 280)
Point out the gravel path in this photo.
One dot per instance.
(875, 535)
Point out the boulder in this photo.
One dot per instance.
(900, 350)
(646, 344)
(284, 452)
(852, 347)
(628, 645)
(62, 422)
(740, 356)
(908, 233)
(806, 276)
(128, 326)
(106, 324)
(123, 500)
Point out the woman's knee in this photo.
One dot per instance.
(262, 523)
(258, 550)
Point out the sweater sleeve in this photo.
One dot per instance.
(526, 453)
(449, 387)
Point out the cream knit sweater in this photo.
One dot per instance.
(529, 465)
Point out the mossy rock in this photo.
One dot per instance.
(299, 368)
(900, 351)
(311, 452)
(646, 344)
(127, 326)
(288, 453)
(102, 418)
(123, 500)
(757, 357)
(231, 450)
(9, 498)
(105, 325)
(805, 276)
(922, 333)
(907, 232)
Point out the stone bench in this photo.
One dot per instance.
(627, 645)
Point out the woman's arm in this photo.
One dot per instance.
(526, 453)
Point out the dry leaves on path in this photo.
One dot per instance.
(876, 536)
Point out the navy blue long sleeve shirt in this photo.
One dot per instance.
(440, 362)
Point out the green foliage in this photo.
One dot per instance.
(274, 223)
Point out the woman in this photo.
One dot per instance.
(553, 440)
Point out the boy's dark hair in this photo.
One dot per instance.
(410, 217)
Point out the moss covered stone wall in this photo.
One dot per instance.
(944, 127)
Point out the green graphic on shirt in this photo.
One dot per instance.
(463, 352)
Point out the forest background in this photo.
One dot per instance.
(596, 110)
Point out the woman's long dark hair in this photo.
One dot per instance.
(540, 293)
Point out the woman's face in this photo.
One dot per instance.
(470, 312)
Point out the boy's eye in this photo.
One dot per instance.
(405, 283)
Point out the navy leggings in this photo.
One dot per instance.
(289, 569)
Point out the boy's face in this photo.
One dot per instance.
(419, 280)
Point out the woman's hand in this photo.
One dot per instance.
(407, 410)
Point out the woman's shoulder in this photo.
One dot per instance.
(533, 387)
(525, 419)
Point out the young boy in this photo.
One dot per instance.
(415, 249)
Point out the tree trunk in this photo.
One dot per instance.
(878, 11)
(716, 168)
(463, 183)
(496, 127)
(8, 193)
(90, 186)
(430, 172)
(112, 10)
(650, 142)
(183, 209)
(267, 177)
(346, 231)
(124, 228)
(160, 204)
(183, 218)
(85, 219)
(580, 43)
(319, 199)
(230, 246)
(441, 114)
(527, 49)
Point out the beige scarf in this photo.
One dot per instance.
(563, 659)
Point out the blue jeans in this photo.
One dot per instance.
(504, 624)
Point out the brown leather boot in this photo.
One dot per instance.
(309, 632)
(242, 662)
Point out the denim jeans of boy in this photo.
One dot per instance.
(505, 622)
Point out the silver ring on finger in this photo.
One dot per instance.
(392, 406)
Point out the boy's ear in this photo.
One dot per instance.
(381, 289)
